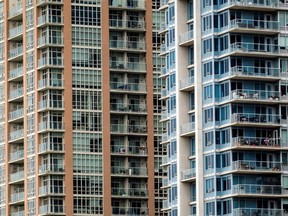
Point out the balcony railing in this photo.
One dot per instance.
(246, 165)
(251, 71)
(16, 31)
(257, 189)
(129, 211)
(51, 189)
(18, 155)
(16, 93)
(134, 192)
(256, 142)
(127, 107)
(17, 176)
(188, 174)
(18, 134)
(17, 197)
(50, 62)
(185, 37)
(18, 213)
(258, 211)
(187, 128)
(121, 128)
(187, 82)
(246, 94)
(45, 19)
(15, 11)
(130, 66)
(139, 25)
(19, 113)
(129, 150)
(128, 86)
(46, 40)
(48, 104)
(15, 52)
(52, 209)
(133, 171)
(118, 44)
(258, 3)
(46, 147)
(15, 73)
(45, 125)
(50, 83)
(40, 2)
(255, 118)
(45, 168)
(137, 4)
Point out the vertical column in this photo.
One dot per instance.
(150, 115)
(198, 109)
(67, 32)
(106, 108)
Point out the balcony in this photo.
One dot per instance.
(268, 5)
(188, 175)
(50, 126)
(132, 171)
(163, 28)
(258, 211)
(256, 142)
(49, 20)
(130, 4)
(129, 211)
(256, 120)
(252, 73)
(128, 87)
(52, 210)
(128, 45)
(187, 129)
(45, 62)
(130, 150)
(16, 74)
(18, 213)
(16, 177)
(16, 115)
(252, 96)
(16, 135)
(136, 25)
(16, 33)
(187, 84)
(127, 107)
(17, 197)
(254, 50)
(16, 156)
(45, 2)
(50, 148)
(51, 190)
(16, 54)
(45, 105)
(258, 190)
(163, 4)
(128, 129)
(252, 26)
(45, 84)
(49, 41)
(15, 13)
(128, 66)
(131, 192)
(16, 94)
(187, 38)
(50, 169)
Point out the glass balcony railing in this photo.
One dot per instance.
(134, 45)
(188, 174)
(258, 189)
(19, 113)
(187, 82)
(48, 40)
(51, 189)
(130, 66)
(129, 211)
(40, 2)
(133, 171)
(45, 19)
(187, 128)
(15, 11)
(131, 192)
(247, 165)
(50, 62)
(18, 134)
(122, 128)
(15, 31)
(52, 209)
(50, 83)
(250, 71)
(127, 107)
(256, 142)
(15, 73)
(18, 155)
(116, 23)
(186, 37)
(255, 118)
(163, 26)
(137, 4)
(130, 150)
(128, 86)
(45, 104)
(258, 211)
(45, 168)
(45, 125)
(18, 213)
(50, 147)
(17, 176)
(15, 52)
(139, 25)
(17, 197)
(257, 3)
(16, 93)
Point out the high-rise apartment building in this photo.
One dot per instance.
(226, 77)
(77, 108)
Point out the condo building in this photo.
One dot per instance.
(79, 90)
(226, 78)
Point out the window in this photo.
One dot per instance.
(86, 15)
(209, 185)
